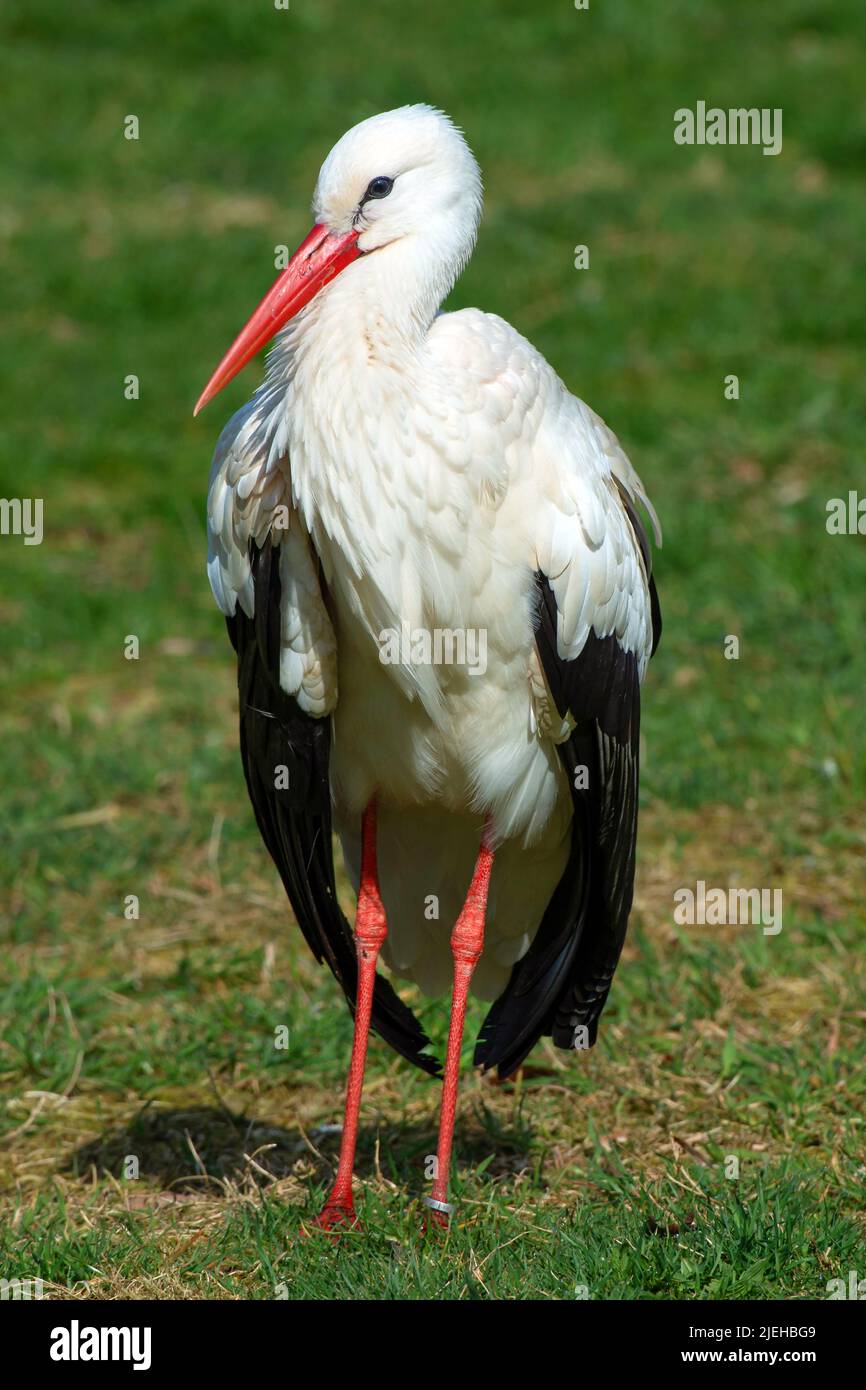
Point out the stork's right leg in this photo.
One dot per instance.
(467, 943)
(370, 932)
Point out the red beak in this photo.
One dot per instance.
(319, 258)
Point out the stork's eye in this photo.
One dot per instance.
(379, 188)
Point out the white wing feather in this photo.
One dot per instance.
(249, 499)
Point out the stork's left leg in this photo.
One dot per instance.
(370, 932)
(467, 941)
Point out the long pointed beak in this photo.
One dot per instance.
(319, 258)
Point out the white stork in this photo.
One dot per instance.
(401, 473)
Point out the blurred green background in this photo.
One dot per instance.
(144, 257)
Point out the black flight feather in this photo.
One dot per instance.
(295, 820)
(561, 985)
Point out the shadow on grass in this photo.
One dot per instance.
(179, 1149)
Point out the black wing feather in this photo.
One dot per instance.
(295, 822)
(563, 981)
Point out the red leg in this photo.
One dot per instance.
(467, 941)
(370, 931)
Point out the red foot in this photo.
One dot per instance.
(336, 1213)
(436, 1220)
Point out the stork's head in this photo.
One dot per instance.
(406, 173)
(402, 187)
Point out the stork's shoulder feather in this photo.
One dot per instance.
(250, 503)
(588, 551)
(485, 355)
(590, 543)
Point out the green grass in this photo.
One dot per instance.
(155, 1037)
(702, 1243)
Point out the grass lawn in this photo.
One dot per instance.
(711, 1146)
